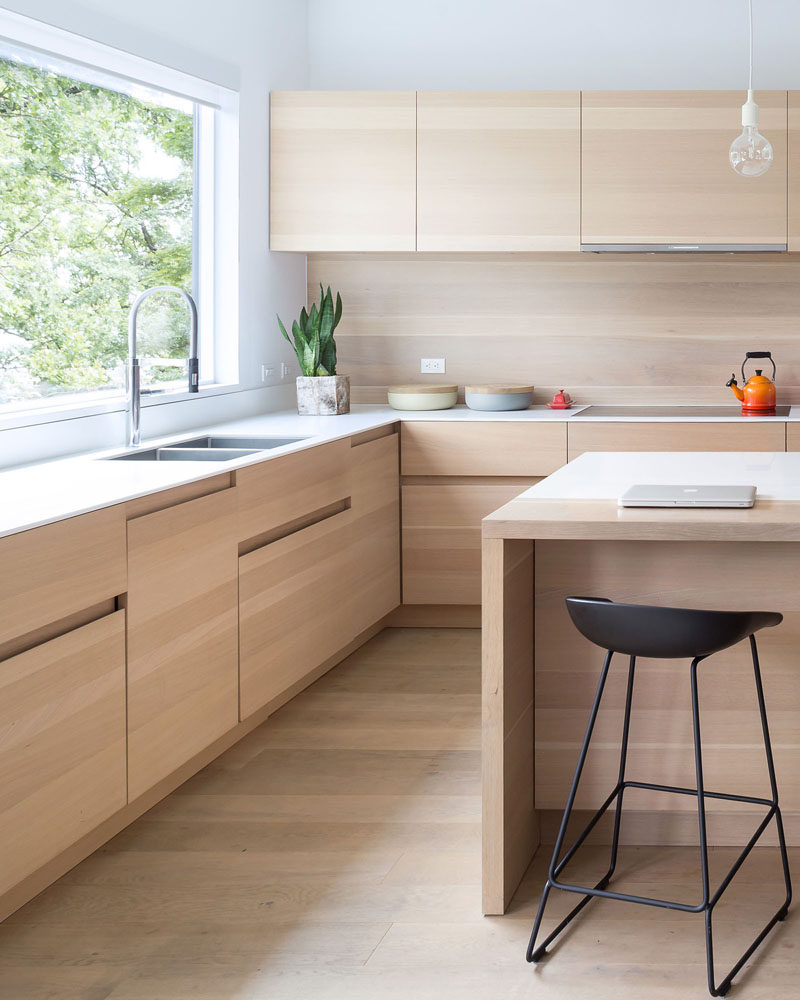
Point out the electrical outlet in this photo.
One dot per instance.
(286, 370)
(267, 371)
(431, 366)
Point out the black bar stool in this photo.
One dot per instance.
(641, 630)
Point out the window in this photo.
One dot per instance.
(109, 185)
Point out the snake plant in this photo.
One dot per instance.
(312, 335)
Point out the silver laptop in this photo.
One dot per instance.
(645, 495)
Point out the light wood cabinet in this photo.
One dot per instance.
(284, 490)
(49, 573)
(291, 608)
(655, 436)
(655, 169)
(793, 187)
(62, 743)
(454, 474)
(792, 436)
(342, 170)
(442, 539)
(490, 448)
(349, 560)
(498, 171)
(182, 634)
(375, 549)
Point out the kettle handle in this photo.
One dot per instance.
(758, 354)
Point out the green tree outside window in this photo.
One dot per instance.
(95, 206)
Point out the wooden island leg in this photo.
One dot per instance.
(510, 828)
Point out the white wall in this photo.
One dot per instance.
(560, 44)
(252, 46)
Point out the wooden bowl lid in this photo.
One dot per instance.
(422, 387)
(501, 389)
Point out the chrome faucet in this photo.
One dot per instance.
(134, 375)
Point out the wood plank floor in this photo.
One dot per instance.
(335, 853)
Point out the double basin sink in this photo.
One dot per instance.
(209, 448)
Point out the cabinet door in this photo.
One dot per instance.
(342, 170)
(490, 448)
(62, 743)
(89, 553)
(273, 494)
(498, 171)
(182, 634)
(442, 539)
(655, 169)
(294, 609)
(375, 552)
(794, 170)
(657, 436)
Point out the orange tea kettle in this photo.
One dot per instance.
(757, 394)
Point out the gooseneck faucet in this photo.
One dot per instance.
(134, 374)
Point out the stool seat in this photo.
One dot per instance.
(663, 633)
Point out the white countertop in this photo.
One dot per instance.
(603, 475)
(50, 491)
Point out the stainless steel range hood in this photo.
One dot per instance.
(683, 247)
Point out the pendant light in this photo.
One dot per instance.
(750, 153)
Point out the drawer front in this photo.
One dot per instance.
(51, 572)
(631, 436)
(501, 448)
(182, 635)
(442, 540)
(281, 490)
(375, 551)
(62, 743)
(792, 437)
(295, 608)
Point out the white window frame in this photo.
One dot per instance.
(215, 232)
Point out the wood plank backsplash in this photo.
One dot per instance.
(621, 328)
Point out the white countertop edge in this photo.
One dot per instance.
(39, 494)
(600, 475)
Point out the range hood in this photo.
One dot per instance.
(683, 247)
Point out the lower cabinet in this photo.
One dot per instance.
(375, 550)
(182, 634)
(442, 539)
(291, 615)
(305, 596)
(62, 743)
(454, 474)
(667, 436)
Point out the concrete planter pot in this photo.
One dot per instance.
(322, 396)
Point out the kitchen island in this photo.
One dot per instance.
(567, 536)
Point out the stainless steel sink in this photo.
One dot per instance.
(238, 442)
(210, 448)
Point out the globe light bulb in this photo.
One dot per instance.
(750, 154)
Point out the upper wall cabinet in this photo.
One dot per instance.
(342, 170)
(498, 171)
(794, 170)
(655, 169)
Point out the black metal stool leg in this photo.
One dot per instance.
(533, 953)
(623, 759)
(774, 811)
(772, 780)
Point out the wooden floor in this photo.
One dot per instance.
(335, 853)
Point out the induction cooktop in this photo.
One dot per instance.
(669, 411)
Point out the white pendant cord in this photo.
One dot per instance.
(750, 108)
(750, 153)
